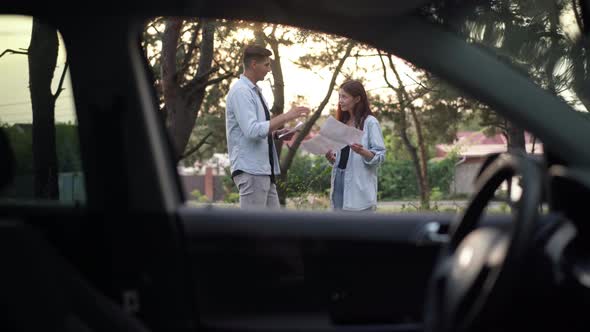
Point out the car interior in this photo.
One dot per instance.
(133, 256)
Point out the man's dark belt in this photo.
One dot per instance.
(239, 171)
(236, 173)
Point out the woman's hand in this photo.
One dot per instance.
(360, 149)
(331, 156)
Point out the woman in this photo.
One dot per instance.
(354, 174)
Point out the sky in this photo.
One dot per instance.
(15, 101)
(313, 84)
(15, 106)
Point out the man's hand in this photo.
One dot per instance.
(294, 113)
(278, 133)
(331, 156)
(297, 112)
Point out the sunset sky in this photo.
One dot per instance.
(15, 32)
(15, 101)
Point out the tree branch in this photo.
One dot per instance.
(192, 91)
(420, 84)
(401, 88)
(286, 163)
(13, 52)
(61, 81)
(221, 66)
(578, 16)
(196, 147)
(385, 73)
(359, 55)
(157, 31)
(191, 48)
(219, 79)
(200, 80)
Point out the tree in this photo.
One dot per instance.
(528, 35)
(418, 153)
(278, 87)
(42, 58)
(335, 54)
(185, 64)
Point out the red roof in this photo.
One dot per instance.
(474, 144)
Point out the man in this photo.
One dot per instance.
(250, 131)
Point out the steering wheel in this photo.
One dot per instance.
(479, 266)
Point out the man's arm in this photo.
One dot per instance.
(280, 120)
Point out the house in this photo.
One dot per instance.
(473, 147)
(206, 177)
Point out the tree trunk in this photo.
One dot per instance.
(183, 103)
(278, 91)
(516, 139)
(278, 88)
(420, 162)
(42, 57)
(412, 151)
(423, 178)
(170, 86)
(194, 92)
(288, 160)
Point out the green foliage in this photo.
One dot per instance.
(441, 174)
(21, 140)
(531, 36)
(228, 183)
(207, 123)
(232, 197)
(397, 178)
(308, 174)
(197, 196)
(309, 202)
(67, 146)
(436, 194)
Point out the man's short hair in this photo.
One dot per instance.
(255, 52)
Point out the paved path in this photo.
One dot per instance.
(441, 204)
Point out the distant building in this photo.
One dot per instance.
(473, 147)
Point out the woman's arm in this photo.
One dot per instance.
(376, 144)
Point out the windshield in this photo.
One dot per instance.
(542, 39)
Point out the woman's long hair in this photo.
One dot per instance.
(361, 109)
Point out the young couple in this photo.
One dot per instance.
(251, 133)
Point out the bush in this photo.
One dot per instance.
(232, 197)
(66, 141)
(436, 194)
(309, 202)
(197, 196)
(441, 174)
(307, 175)
(397, 178)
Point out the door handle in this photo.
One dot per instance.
(432, 233)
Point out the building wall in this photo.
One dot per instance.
(197, 182)
(465, 174)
